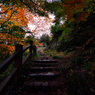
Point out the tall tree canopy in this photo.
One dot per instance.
(13, 13)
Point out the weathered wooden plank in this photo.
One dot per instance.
(7, 62)
(26, 58)
(17, 58)
(27, 47)
(7, 81)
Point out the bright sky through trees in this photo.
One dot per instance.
(40, 25)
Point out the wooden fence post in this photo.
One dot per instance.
(31, 48)
(34, 50)
(18, 60)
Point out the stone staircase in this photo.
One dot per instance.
(42, 75)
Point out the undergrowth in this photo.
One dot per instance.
(79, 70)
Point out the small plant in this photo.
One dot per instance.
(65, 52)
(50, 55)
(55, 57)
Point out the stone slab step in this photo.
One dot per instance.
(45, 64)
(41, 86)
(44, 76)
(44, 57)
(45, 61)
(42, 69)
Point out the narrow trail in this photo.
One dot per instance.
(43, 77)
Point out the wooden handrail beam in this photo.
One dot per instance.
(7, 62)
(27, 47)
(26, 58)
(18, 62)
(6, 82)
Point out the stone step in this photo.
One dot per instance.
(44, 76)
(43, 69)
(45, 64)
(45, 61)
(44, 57)
(41, 85)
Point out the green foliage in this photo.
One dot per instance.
(76, 85)
(18, 85)
(17, 28)
(45, 39)
(35, 56)
(77, 61)
(57, 57)
(3, 56)
(29, 38)
(64, 36)
(65, 33)
(88, 65)
(5, 74)
(66, 51)
(56, 30)
(4, 28)
(50, 55)
(52, 7)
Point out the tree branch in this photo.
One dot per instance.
(64, 2)
(4, 11)
(70, 3)
(35, 6)
(9, 17)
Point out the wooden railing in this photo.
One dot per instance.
(18, 60)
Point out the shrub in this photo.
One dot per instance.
(76, 85)
(57, 57)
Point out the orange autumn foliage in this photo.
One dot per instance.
(35, 42)
(40, 44)
(6, 49)
(15, 15)
(72, 7)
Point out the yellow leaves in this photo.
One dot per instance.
(11, 48)
(14, 8)
(15, 15)
(18, 18)
(9, 39)
(7, 49)
(9, 13)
